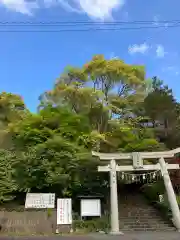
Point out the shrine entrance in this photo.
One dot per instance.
(128, 164)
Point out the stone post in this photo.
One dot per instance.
(170, 193)
(114, 199)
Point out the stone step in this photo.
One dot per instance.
(134, 209)
(144, 221)
(135, 214)
(130, 221)
(139, 217)
(151, 227)
(145, 224)
(127, 207)
(142, 213)
(142, 218)
(146, 229)
(132, 213)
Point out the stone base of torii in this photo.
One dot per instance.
(137, 165)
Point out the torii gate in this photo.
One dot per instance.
(137, 160)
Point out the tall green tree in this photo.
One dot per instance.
(54, 153)
(102, 90)
(8, 186)
(161, 108)
(12, 109)
(101, 106)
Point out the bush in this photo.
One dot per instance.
(164, 209)
(152, 191)
(49, 212)
(100, 224)
(178, 199)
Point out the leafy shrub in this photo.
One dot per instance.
(178, 199)
(49, 212)
(152, 191)
(100, 224)
(164, 209)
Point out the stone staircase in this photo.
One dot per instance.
(135, 214)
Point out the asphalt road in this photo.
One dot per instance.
(128, 236)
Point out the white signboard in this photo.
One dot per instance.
(90, 207)
(40, 200)
(64, 211)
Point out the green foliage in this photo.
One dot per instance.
(150, 145)
(178, 199)
(7, 184)
(164, 210)
(54, 153)
(49, 212)
(53, 163)
(152, 191)
(12, 108)
(105, 105)
(162, 109)
(99, 224)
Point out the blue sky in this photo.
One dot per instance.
(30, 62)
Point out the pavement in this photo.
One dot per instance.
(128, 236)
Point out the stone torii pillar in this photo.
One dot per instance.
(170, 193)
(112, 169)
(137, 165)
(114, 199)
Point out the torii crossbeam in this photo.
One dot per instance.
(137, 165)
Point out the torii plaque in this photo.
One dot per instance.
(137, 159)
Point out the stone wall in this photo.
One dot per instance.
(29, 222)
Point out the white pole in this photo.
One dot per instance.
(114, 199)
(170, 193)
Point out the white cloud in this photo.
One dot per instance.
(21, 6)
(141, 48)
(69, 7)
(113, 56)
(156, 20)
(96, 9)
(160, 52)
(172, 70)
(125, 16)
